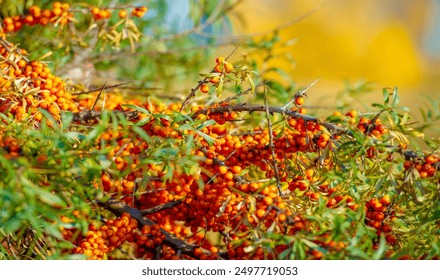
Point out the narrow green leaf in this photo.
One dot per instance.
(386, 96)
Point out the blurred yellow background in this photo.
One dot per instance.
(393, 43)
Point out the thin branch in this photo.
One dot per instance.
(118, 208)
(272, 109)
(86, 115)
(300, 94)
(271, 145)
(99, 95)
(161, 207)
(101, 88)
(247, 91)
(201, 82)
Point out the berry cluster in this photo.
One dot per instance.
(98, 242)
(367, 126)
(245, 183)
(379, 216)
(101, 14)
(58, 15)
(425, 167)
(221, 68)
(30, 85)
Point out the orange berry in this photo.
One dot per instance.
(352, 114)
(218, 68)
(385, 200)
(268, 200)
(321, 144)
(21, 63)
(430, 159)
(223, 169)
(282, 217)
(228, 67)
(236, 169)
(324, 137)
(299, 100)
(198, 252)
(219, 59)
(214, 80)
(35, 11)
(408, 164)
(95, 11)
(57, 11)
(122, 14)
(309, 173)
(204, 88)
(260, 213)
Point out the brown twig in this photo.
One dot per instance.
(271, 109)
(99, 95)
(86, 115)
(300, 94)
(7, 45)
(201, 82)
(118, 208)
(161, 207)
(271, 145)
(247, 91)
(101, 88)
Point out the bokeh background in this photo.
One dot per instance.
(393, 43)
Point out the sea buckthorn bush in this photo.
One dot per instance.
(236, 167)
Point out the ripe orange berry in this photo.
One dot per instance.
(260, 213)
(219, 59)
(385, 200)
(387, 228)
(268, 200)
(282, 217)
(122, 14)
(430, 159)
(228, 67)
(236, 169)
(223, 170)
(352, 114)
(391, 238)
(309, 173)
(57, 11)
(204, 88)
(21, 63)
(299, 100)
(324, 137)
(35, 11)
(139, 11)
(321, 144)
(229, 176)
(218, 68)
(214, 80)
(198, 252)
(408, 164)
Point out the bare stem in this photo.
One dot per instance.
(271, 109)
(271, 145)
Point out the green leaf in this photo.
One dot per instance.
(283, 255)
(396, 97)
(380, 252)
(142, 133)
(12, 225)
(386, 96)
(45, 196)
(206, 137)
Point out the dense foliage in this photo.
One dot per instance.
(151, 156)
